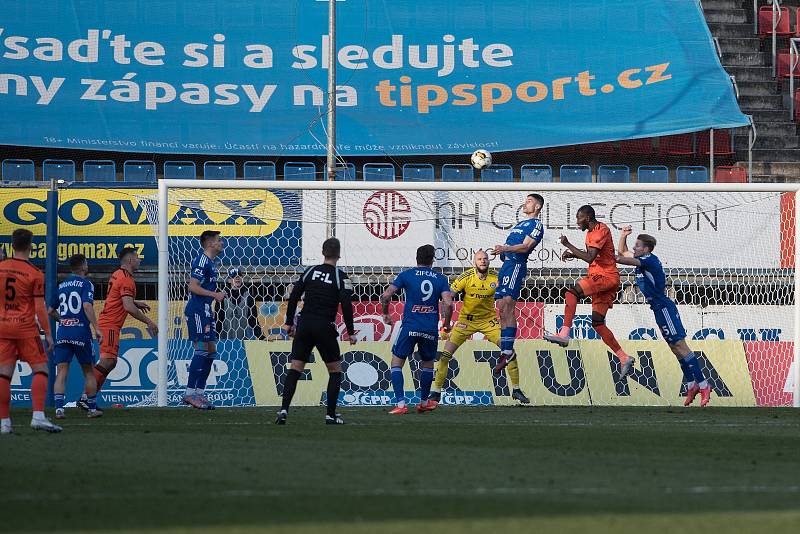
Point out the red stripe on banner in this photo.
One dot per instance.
(787, 229)
(769, 363)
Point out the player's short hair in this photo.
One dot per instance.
(21, 239)
(587, 210)
(538, 198)
(208, 235)
(331, 248)
(76, 262)
(647, 240)
(125, 252)
(425, 255)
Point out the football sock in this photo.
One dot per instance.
(289, 386)
(570, 305)
(205, 370)
(334, 385)
(100, 374)
(397, 385)
(513, 374)
(694, 365)
(38, 391)
(507, 337)
(59, 400)
(5, 396)
(195, 366)
(92, 402)
(688, 377)
(441, 370)
(610, 340)
(425, 381)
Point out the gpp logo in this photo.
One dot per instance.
(387, 214)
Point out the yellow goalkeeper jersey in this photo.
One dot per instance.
(478, 302)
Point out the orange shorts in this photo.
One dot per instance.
(28, 349)
(109, 348)
(602, 289)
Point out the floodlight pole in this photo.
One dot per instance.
(331, 152)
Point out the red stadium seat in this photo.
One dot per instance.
(598, 148)
(730, 175)
(765, 22)
(641, 147)
(722, 143)
(676, 145)
(782, 60)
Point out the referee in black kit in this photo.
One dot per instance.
(325, 287)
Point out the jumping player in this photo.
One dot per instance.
(652, 281)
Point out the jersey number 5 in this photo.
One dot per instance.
(11, 291)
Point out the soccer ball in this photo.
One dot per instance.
(481, 158)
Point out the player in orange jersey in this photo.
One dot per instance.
(601, 283)
(120, 302)
(21, 305)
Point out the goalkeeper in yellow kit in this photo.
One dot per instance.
(477, 315)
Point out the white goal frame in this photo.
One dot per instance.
(164, 185)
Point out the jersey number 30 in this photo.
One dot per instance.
(71, 303)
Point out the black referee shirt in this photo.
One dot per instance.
(323, 287)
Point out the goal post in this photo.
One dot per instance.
(729, 250)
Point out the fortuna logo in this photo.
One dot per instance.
(387, 214)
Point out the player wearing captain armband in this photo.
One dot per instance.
(477, 315)
(652, 283)
(520, 242)
(601, 283)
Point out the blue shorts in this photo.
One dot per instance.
(510, 279)
(201, 326)
(669, 321)
(426, 343)
(81, 349)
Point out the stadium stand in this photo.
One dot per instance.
(139, 171)
(18, 170)
(180, 170)
(575, 173)
(58, 169)
(259, 170)
(418, 172)
(536, 173)
(497, 173)
(619, 174)
(691, 174)
(299, 171)
(652, 174)
(730, 174)
(457, 172)
(99, 171)
(344, 173)
(219, 170)
(378, 172)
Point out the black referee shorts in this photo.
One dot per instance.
(322, 335)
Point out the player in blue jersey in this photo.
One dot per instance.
(74, 311)
(423, 288)
(200, 318)
(652, 282)
(520, 242)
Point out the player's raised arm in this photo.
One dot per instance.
(625, 256)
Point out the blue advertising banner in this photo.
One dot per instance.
(434, 77)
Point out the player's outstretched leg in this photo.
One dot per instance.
(626, 361)
(508, 332)
(692, 373)
(571, 298)
(513, 376)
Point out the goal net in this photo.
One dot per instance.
(728, 254)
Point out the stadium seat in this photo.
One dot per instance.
(219, 170)
(259, 170)
(691, 175)
(620, 174)
(636, 147)
(765, 22)
(418, 172)
(139, 171)
(457, 172)
(783, 70)
(99, 171)
(730, 175)
(652, 174)
(722, 143)
(598, 148)
(676, 145)
(536, 173)
(18, 170)
(378, 172)
(497, 173)
(344, 173)
(298, 171)
(180, 170)
(58, 169)
(575, 174)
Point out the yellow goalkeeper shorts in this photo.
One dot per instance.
(463, 330)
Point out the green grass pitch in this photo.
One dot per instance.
(457, 470)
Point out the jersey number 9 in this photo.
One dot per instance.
(426, 287)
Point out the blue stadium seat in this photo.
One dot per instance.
(344, 173)
(691, 175)
(457, 172)
(259, 170)
(536, 173)
(219, 170)
(497, 173)
(99, 171)
(652, 174)
(185, 170)
(58, 169)
(21, 170)
(294, 171)
(139, 171)
(378, 172)
(576, 173)
(418, 172)
(617, 174)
